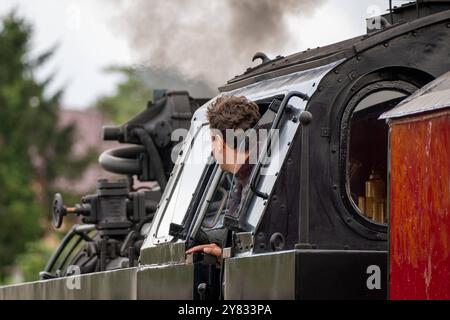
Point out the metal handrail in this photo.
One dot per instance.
(275, 125)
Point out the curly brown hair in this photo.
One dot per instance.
(232, 112)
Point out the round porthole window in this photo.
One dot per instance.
(367, 148)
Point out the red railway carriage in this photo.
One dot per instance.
(420, 194)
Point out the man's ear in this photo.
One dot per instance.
(219, 142)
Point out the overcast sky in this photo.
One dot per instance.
(89, 41)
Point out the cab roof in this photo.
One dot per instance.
(405, 22)
(434, 96)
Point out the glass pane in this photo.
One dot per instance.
(217, 206)
(378, 97)
(192, 169)
(367, 154)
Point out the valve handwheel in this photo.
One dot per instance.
(59, 211)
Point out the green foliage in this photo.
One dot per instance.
(33, 260)
(139, 85)
(130, 98)
(34, 150)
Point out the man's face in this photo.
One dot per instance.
(228, 158)
(224, 155)
(218, 147)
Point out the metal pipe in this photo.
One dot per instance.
(68, 253)
(121, 160)
(75, 230)
(155, 159)
(59, 250)
(303, 228)
(418, 9)
(390, 12)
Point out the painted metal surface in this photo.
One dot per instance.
(116, 285)
(264, 276)
(420, 207)
(168, 282)
(163, 254)
(307, 274)
(434, 96)
(341, 274)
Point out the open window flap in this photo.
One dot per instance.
(433, 96)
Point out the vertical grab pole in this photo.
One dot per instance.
(390, 12)
(303, 227)
(418, 9)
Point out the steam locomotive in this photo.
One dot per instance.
(356, 205)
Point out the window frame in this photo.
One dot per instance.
(400, 86)
(177, 174)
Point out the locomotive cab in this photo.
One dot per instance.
(270, 221)
(195, 199)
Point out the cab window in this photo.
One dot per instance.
(367, 154)
(216, 200)
(191, 172)
(215, 208)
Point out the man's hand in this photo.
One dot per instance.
(212, 249)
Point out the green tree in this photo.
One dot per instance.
(130, 98)
(140, 84)
(34, 150)
(32, 261)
